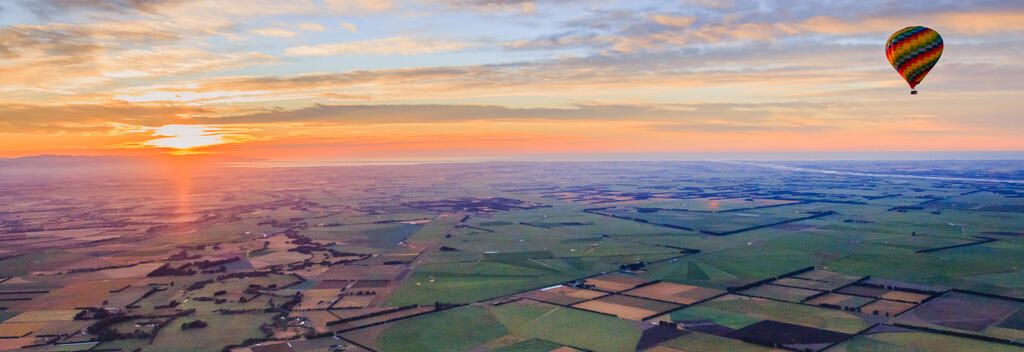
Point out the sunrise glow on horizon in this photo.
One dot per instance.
(365, 79)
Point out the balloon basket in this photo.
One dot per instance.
(913, 92)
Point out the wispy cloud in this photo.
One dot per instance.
(521, 6)
(314, 27)
(358, 7)
(349, 26)
(384, 46)
(273, 32)
(674, 20)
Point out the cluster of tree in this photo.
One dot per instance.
(239, 311)
(364, 316)
(632, 267)
(195, 324)
(168, 270)
(581, 284)
(211, 299)
(298, 239)
(306, 245)
(243, 275)
(258, 286)
(289, 304)
(445, 305)
(104, 331)
(198, 285)
(84, 270)
(183, 255)
(90, 313)
(207, 264)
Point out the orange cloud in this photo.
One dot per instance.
(314, 27)
(273, 32)
(358, 6)
(674, 21)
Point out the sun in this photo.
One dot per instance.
(183, 138)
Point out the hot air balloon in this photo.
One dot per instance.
(913, 51)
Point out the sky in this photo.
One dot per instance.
(464, 79)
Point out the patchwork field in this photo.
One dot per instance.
(789, 294)
(840, 300)
(626, 307)
(615, 282)
(501, 326)
(737, 312)
(563, 295)
(886, 308)
(677, 293)
(652, 256)
(968, 313)
(222, 330)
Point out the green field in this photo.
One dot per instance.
(222, 330)
(532, 325)
(736, 312)
(568, 326)
(454, 330)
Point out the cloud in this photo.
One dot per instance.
(520, 6)
(89, 118)
(674, 21)
(970, 23)
(358, 7)
(48, 8)
(64, 38)
(342, 96)
(313, 27)
(557, 42)
(431, 128)
(77, 67)
(273, 32)
(349, 26)
(793, 69)
(701, 26)
(56, 118)
(715, 4)
(171, 61)
(602, 73)
(556, 78)
(385, 46)
(694, 117)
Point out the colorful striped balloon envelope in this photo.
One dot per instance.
(913, 51)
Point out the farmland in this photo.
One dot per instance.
(660, 256)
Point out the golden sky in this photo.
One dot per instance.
(438, 79)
